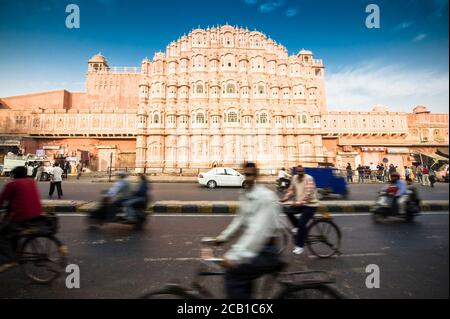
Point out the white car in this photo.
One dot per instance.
(221, 176)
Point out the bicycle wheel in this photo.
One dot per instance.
(324, 238)
(168, 293)
(42, 258)
(314, 292)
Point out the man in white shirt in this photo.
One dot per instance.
(373, 172)
(56, 180)
(283, 177)
(255, 253)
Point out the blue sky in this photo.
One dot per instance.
(402, 64)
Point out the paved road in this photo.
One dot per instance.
(118, 263)
(85, 190)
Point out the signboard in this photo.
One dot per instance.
(51, 147)
(9, 142)
(398, 150)
(373, 149)
(40, 153)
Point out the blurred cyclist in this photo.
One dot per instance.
(255, 253)
(306, 203)
(23, 205)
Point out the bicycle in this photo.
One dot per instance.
(323, 237)
(40, 255)
(315, 285)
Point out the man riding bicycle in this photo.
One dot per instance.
(255, 253)
(304, 187)
(23, 205)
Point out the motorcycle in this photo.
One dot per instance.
(107, 213)
(283, 184)
(386, 206)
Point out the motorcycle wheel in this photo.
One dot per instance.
(377, 217)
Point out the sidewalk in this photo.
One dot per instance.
(221, 207)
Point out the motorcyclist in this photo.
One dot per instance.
(283, 176)
(398, 189)
(139, 197)
(119, 192)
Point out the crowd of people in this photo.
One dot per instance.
(381, 173)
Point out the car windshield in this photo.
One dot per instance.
(232, 172)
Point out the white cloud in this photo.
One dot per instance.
(420, 37)
(398, 88)
(291, 12)
(404, 25)
(270, 6)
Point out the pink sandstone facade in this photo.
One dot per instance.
(215, 97)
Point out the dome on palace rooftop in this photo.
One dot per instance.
(98, 58)
(420, 109)
(380, 109)
(305, 52)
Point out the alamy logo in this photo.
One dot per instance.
(373, 19)
(373, 280)
(73, 19)
(73, 279)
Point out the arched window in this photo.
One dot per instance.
(231, 89)
(262, 119)
(232, 117)
(261, 89)
(200, 118)
(156, 119)
(304, 119)
(199, 89)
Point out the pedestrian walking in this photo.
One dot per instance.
(360, 170)
(407, 173)
(392, 170)
(432, 177)
(39, 172)
(66, 169)
(419, 174)
(349, 171)
(426, 176)
(373, 172)
(79, 169)
(56, 181)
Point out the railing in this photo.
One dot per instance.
(122, 70)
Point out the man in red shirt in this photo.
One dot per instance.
(23, 204)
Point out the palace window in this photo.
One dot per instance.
(21, 120)
(289, 119)
(261, 89)
(261, 119)
(171, 119)
(247, 119)
(278, 119)
(183, 119)
(215, 119)
(304, 119)
(232, 117)
(199, 89)
(231, 89)
(200, 118)
(156, 119)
